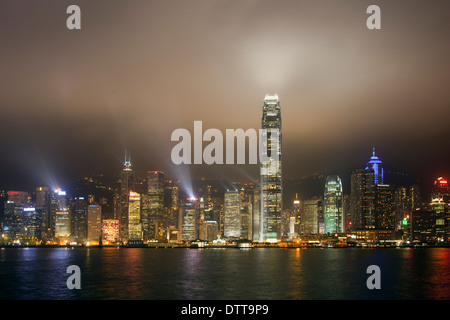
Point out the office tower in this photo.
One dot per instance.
(62, 225)
(256, 214)
(440, 204)
(232, 214)
(209, 231)
(311, 212)
(94, 223)
(362, 199)
(154, 217)
(400, 206)
(13, 219)
(271, 176)
(189, 219)
(43, 208)
(172, 206)
(127, 184)
(384, 207)
(297, 214)
(134, 217)
(246, 210)
(110, 231)
(375, 164)
(333, 205)
(440, 191)
(79, 220)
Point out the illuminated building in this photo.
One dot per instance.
(58, 203)
(440, 191)
(110, 231)
(332, 205)
(440, 205)
(154, 211)
(79, 220)
(134, 217)
(427, 226)
(62, 225)
(375, 164)
(127, 184)
(189, 219)
(362, 199)
(94, 223)
(246, 211)
(209, 230)
(271, 177)
(384, 207)
(13, 219)
(232, 214)
(256, 214)
(43, 207)
(311, 212)
(298, 215)
(32, 222)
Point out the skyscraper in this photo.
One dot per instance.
(134, 217)
(94, 223)
(362, 199)
(154, 213)
(232, 212)
(189, 219)
(271, 177)
(333, 205)
(312, 209)
(375, 164)
(127, 184)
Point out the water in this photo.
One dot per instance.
(224, 274)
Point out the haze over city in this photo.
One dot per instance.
(73, 101)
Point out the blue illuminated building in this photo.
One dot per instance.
(376, 165)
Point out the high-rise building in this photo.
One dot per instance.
(333, 205)
(94, 223)
(256, 215)
(232, 214)
(271, 174)
(384, 207)
(154, 216)
(79, 223)
(440, 191)
(110, 231)
(62, 225)
(127, 184)
(297, 213)
(362, 199)
(311, 211)
(375, 164)
(189, 219)
(134, 217)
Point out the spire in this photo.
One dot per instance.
(373, 151)
(127, 162)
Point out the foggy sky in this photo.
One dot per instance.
(72, 100)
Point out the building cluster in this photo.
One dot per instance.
(372, 212)
(156, 209)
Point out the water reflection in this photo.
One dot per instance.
(133, 273)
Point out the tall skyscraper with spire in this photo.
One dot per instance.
(127, 184)
(271, 178)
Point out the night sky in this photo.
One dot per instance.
(72, 100)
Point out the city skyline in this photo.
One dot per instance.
(74, 100)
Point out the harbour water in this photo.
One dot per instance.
(224, 274)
